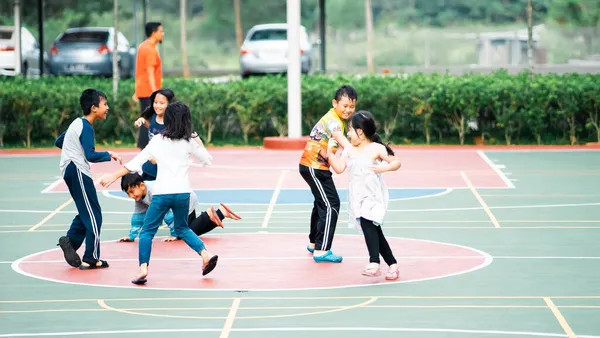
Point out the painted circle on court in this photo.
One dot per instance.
(257, 261)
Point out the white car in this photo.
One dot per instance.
(30, 52)
(265, 50)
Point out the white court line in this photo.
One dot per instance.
(288, 212)
(495, 168)
(480, 199)
(185, 259)
(52, 185)
(56, 211)
(292, 329)
(274, 198)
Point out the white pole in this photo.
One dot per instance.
(17, 34)
(115, 52)
(293, 71)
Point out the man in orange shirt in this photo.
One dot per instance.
(148, 72)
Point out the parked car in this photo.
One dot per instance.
(88, 51)
(30, 52)
(265, 50)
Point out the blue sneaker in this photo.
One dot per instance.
(328, 257)
(309, 249)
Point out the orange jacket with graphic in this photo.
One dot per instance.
(315, 152)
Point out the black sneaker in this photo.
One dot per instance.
(71, 255)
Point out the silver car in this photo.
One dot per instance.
(30, 52)
(88, 51)
(265, 50)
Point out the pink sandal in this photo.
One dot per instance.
(392, 274)
(372, 270)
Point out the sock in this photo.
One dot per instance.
(220, 214)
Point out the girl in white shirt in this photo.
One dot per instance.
(171, 150)
(367, 194)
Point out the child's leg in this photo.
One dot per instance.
(203, 224)
(180, 209)
(327, 202)
(154, 216)
(84, 195)
(384, 248)
(371, 238)
(314, 220)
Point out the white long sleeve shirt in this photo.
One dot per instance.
(173, 161)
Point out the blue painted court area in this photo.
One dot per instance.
(287, 196)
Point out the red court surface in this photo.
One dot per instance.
(258, 262)
(266, 169)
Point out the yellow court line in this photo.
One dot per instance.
(480, 199)
(230, 318)
(83, 300)
(561, 320)
(56, 211)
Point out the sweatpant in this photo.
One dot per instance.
(86, 225)
(376, 242)
(203, 224)
(157, 210)
(326, 206)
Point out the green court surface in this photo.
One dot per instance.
(540, 235)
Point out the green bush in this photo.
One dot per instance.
(409, 109)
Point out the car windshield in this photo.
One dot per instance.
(84, 37)
(269, 34)
(4, 35)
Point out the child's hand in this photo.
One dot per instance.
(170, 239)
(152, 159)
(107, 180)
(135, 98)
(124, 239)
(139, 122)
(115, 157)
(379, 169)
(331, 145)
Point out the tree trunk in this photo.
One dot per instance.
(182, 16)
(369, 26)
(238, 23)
(115, 51)
(538, 136)
(530, 37)
(507, 136)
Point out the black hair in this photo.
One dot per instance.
(178, 121)
(90, 98)
(131, 180)
(364, 121)
(347, 91)
(151, 27)
(149, 111)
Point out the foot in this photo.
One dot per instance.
(210, 262)
(140, 279)
(392, 273)
(212, 214)
(228, 213)
(310, 247)
(327, 257)
(94, 265)
(372, 270)
(69, 252)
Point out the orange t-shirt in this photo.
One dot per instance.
(315, 152)
(147, 56)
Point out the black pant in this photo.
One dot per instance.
(143, 140)
(202, 224)
(376, 242)
(326, 207)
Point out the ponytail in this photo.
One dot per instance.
(375, 138)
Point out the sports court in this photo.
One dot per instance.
(491, 242)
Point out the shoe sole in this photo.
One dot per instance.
(70, 254)
(210, 266)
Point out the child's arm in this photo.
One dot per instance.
(337, 163)
(60, 140)
(338, 135)
(199, 151)
(393, 162)
(134, 165)
(87, 142)
(141, 121)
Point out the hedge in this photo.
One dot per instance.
(498, 107)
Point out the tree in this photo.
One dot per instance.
(184, 60)
(583, 14)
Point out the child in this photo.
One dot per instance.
(142, 193)
(78, 150)
(367, 194)
(314, 168)
(171, 149)
(153, 119)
